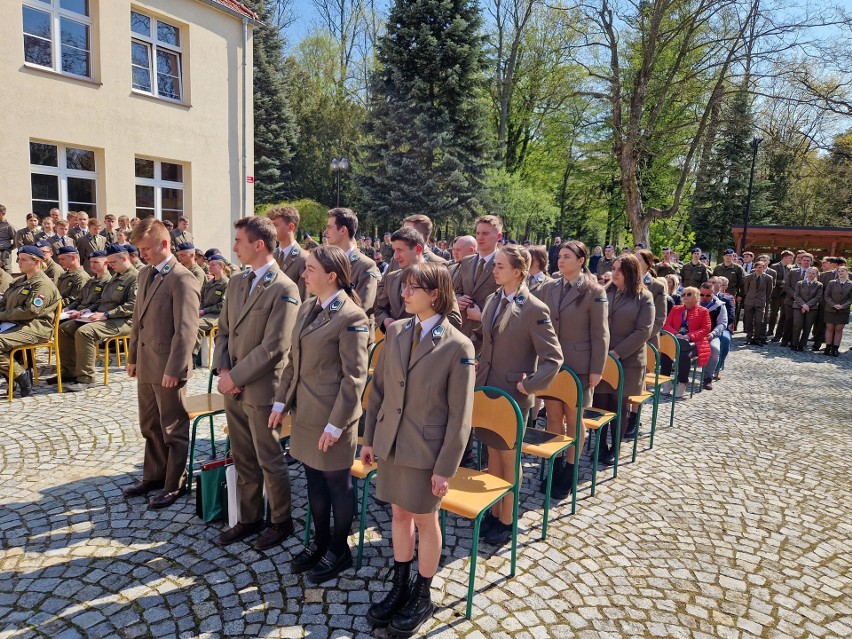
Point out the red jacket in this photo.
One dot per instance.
(698, 322)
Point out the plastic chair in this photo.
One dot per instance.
(200, 407)
(566, 388)
(473, 492)
(30, 349)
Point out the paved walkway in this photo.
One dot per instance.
(737, 524)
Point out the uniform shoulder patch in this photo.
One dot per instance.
(119, 287)
(25, 291)
(546, 320)
(335, 305)
(467, 361)
(218, 292)
(353, 256)
(295, 251)
(246, 274)
(601, 299)
(375, 276)
(408, 325)
(286, 298)
(520, 299)
(38, 302)
(268, 277)
(357, 329)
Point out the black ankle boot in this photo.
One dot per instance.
(558, 472)
(632, 427)
(416, 611)
(25, 382)
(380, 614)
(565, 487)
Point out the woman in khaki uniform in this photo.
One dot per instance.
(322, 384)
(578, 309)
(212, 299)
(418, 424)
(538, 277)
(659, 291)
(520, 355)
(631, 320)
(838, 299)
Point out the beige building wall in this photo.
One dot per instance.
(204, 132)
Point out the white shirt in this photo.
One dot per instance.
(259, 273)
(427, 325)
(159, 267)
(285, 251)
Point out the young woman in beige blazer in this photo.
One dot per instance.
(520, 355)
(631, 320)
(658, 289)
(578, 309)
(417, 425)
(838, 299)
(321, 385)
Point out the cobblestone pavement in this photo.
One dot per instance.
(737, 524)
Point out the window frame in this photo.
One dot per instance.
(158, 183)
(152, 44)
(62, 172)
(56, 12)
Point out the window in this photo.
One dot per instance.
(58, 35)
(159, 189)
(63, 177)
(155, 57)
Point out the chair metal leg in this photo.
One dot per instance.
(364, 497)
(443, 519)
(617, 444)
(576, 478)
(11, 374)
(595, 461)
(692, 384)
(212, 437)
(32, 352)
(671, 418)
(307, 539)
(474, 553)
(106, 362)
(192, 452)
(550, 463)
(636, 439)
(654, 414)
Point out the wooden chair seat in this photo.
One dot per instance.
(651, 379)
(200, 405)
(361, 471)
(640, 398)
(549, 448)
(594, 423)
(472, 491)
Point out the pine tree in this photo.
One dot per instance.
(427, 149)
(275, 130)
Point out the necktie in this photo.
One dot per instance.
(531, 280)
(315, 311)
(416, 341)
(251, 277)
(152, 276)
(566, 286)
(480, 266)
(503, 304)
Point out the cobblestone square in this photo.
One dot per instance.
(736, 525)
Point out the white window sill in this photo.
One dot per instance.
(53, 72)
(160, 99)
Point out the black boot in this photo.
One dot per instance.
(380, 614)
(632, 427)
(416, 611)
(25, 382)
(558, 472)
(565, 487)
(835, 351)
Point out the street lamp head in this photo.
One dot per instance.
(334, 164)
(343, 164)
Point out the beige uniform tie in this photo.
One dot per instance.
(416, 341)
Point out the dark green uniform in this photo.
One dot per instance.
(71, 285)
(604, 265)
(30, 304)
(199, 274)
(5, 280)
(694, 274)
(212, 299)
(666, 268)
(90, 293)
(736, 277)
(88, 244)
(27, 237)
(180, 237)
(53, 271)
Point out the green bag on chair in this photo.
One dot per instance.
(211, 496)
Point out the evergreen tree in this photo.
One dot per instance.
(275, 130)
(426, 149)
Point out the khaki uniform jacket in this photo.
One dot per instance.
(53, 271)
(76, 233)
(809, 293)
(521, 342)
(165, 324)
(119, 296)
(659, 292)
(604, 265)
(535, 285)
(631, 320)
(365, 278)
(389, 302)
(213, 296)
(109, 236)
(198, 274)
(479, 288)
(324, 378)
(757, 291)
(780, 274)
(27, 237)
(293, 266)
(71, 285)
(838, 293)
(7, 236)
(90, 293)
(428, 256)
(694, 274)
(666, 268)
(826, 277)
(180, 237)
(58, 242)
(5, 280)
(255, 331)
(31, 303)
(88, 244)
(580, 321)
(421, 404)
(735, 275)
(793, 276)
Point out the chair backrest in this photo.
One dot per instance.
(374, 354)
(497, 418)
(565, 387)
(56, 322)
(652, 355)
(668, 345)
(612, 373)
(365, 396)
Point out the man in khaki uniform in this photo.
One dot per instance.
(90, 295)
(423, 225)
(757, 290)
(165, 321)
(606, 262)
(777, 309)
(289, 255)
(5, 280)
(53, 270)
(475, 279)
(109, 232)
(255, 329)
(186, 256)
(77, 225)
(463, 246)
(61, 238)
(90, 242)
(793, 276)
(733, 271)
(7, 241)
(181, 234)
(694, 273)
(110, 316)
(212, 300)
(72, 281)
(29, 305)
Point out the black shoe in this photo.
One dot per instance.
(816, 347)
(274, 535)
(784, 344)
(291, 461)
(53, 381)
(25, 382)
(416, 611)
(329, 566)
(631, 434)
(142, 488)
(708, 384)
(565, 486)
(835, 351)
(165, 499)
(307, 559)
(558, 471)
(380, 614)
(487, 524)
(238, 533)
(608, 459)
(499, 534)
(775, 339)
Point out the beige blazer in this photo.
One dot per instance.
(254, 334)
(631, 320)
(165, 323)
(580, 321)
(522, 342)
(421, 405)
(322, 383)
(389, 302)
(757, 292)
(837, 293)
(293, 265)
(479, 288)
(809, 293)
(536, 287)
(659, 292)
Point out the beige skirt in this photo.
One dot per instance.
(408, 488)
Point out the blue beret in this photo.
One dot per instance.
(64, 250)
(131, 249)
(185, 246)
(626, 248)
(212, 251)
(97, 254)
(31, 250)
(115, 249)
(696, 250)
(704, 256)
(216, 258)
(610, 246)
(44, 244)
(640, 245)
(730, 252)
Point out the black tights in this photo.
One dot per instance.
(331, 490)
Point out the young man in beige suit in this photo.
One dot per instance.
(289, 255)
(165, 322)
(255, 329)
(474, 281)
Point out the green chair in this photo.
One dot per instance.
(670, 347)
(637, 401)
(595, 418)
(472, 493)
(655, 381)
(566, 388)
(373, 357)
(200, 407)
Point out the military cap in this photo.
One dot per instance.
(97, 254)
(115, 249)
(212, 251)
(64, 250)
(35, 251)
(131, 249)
(186, 246)
(696, 250)
(216, 258)
(730, 252)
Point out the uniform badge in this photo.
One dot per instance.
(119, 288)
(520, 299)
(335, 305)
(38, 302)
(468, 361)
(98, 289)
(268, 277)
(357, 329)
(373, 275)
(543, 321)
(218, 292)
(408, 325)
(295, 251)
(166, 269)
(246, 274)
(601, 299)
(289, 299)
(2, 295)
(353, 256)
(437, 332)
(25, 291)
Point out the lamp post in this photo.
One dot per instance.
(338, 166)
(755, 142)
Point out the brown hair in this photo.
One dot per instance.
(290, 214)
(491, 220)
(2, 208)
(432, 277)
(648, 257)
(519, 258)
(422, 223)
(410, 235)
(109, 216)
(258, 228)
(629, 266)
(334, 260)
(538, 254)
(580, 251)
(61, 223)
(150, 227)
(345, 218)
(787, 253)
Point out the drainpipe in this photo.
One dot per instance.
(246, 89)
